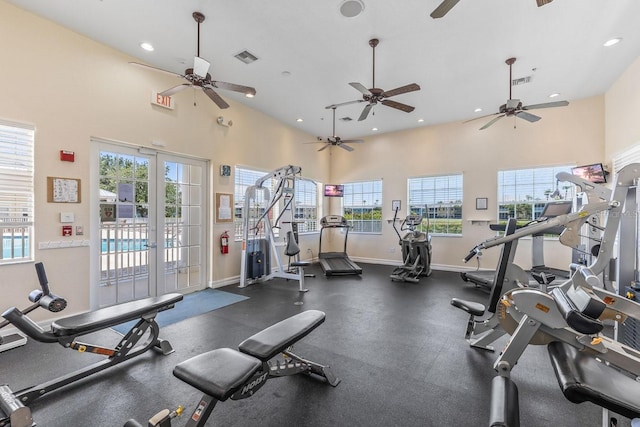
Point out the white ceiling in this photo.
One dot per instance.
(458, 60)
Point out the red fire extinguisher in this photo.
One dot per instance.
(224, 243)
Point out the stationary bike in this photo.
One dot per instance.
(416, 250)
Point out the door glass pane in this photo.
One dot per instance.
(124, 228)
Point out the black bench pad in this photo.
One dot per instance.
(218, 373)
(266, 344)
(111, 316)
(583, 379)
(470, 307)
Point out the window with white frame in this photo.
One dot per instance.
(306, 200)
(438, 199)
(522, 193)
(362, 206)
(16, 192)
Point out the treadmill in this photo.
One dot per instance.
(551, 209)
(336, 263)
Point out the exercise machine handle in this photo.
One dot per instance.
(42, 277)
(473, 252)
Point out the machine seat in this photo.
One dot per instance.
(218, 373)
(582, 378)
(111, 316)
(473, 308)
(275, 339)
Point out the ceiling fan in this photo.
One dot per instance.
(514, 107)
(335, 140)
(199, 77)
(447, 5)
(375, 95)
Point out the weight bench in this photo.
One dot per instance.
(237, 374)
(582, 378)
(13, 405)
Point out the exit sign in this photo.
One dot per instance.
(162, 100)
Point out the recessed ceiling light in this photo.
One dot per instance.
(374, 129)
(477, 110)
(420, 120)
(249, 95)
(299, 120)
(611, 42)
(351, 8)
(553, 95)
(147, 46)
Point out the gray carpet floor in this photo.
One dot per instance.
(397, 347)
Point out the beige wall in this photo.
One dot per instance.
(569, 135)
(73, 89)
(622, 109)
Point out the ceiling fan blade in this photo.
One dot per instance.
(546, 105)
(175, 89)
(137, 64)
(527, 116)
(247, 90)
(492, 121)
(360, 87)
(352, 141)
(200, 67)
(397, 105)
(365, 112)
(404, 89)
(480, 117)
(215, 97)
(543, 2)
(344, 103)
(345, 147)
(443, 8)
(327, 145)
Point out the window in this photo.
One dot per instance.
(245, 178)
(306, 200)
(438, 199)
(362, 206)
(16, 192)
(522, 193)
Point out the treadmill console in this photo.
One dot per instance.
(333, 221)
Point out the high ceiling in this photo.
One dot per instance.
(308, 52)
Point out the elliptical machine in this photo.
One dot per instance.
(416, 249)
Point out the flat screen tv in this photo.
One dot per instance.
(594, 173)
(333, 190)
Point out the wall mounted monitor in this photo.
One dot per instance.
(594, 173)
(333, 190)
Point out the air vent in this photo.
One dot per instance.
(521, 81)
(346, 119)
(246, 57)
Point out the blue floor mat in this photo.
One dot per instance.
(192, 305)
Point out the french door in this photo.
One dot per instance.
(152, 224)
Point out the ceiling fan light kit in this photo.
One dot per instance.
(334, 140)
(198, 77)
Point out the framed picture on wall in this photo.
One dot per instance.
(224, 207)
(481, 203)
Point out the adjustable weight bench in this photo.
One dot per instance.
(237, 374)
(13, 405)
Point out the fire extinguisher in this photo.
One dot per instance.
(224, 243)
